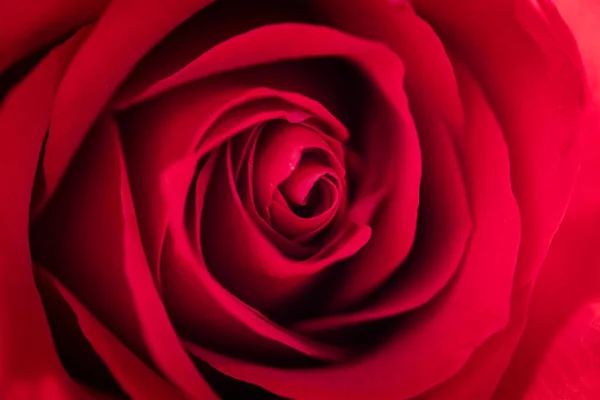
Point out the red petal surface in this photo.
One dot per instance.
(435, 104)
(196, 300)
(29, 25)
(556, 356)
(29, 364)
(433, 343)
(88, 238)
(133, 375)
(126, 31)
(533, 80)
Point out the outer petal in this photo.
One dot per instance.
(570, 368)
(583, 17)
(29, 367)
(534, 62)
(556, 355)
(25, 26)
(533, 78)
(127, 30)
(88, 238)
(137, 379)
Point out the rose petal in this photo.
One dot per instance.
(534, 80)
(546, 166)
(308, 178)
(569, 275)
(279, 157)
(132, 374)
(245, 190)
(290, 247)
(583, 19)
(216, 23)
(94, 207)
(218, 59)
(415, 42)
(29, 364)
(29, 25)
(395, 170)
(125, 32)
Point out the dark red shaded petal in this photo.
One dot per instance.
(198, 304)
(278, 43)
(132, 374)
(29, 25)
(216, 23)
(428, 70)
(29, 364)
(435, 105)
(125, 32)
(441, 242)
(157, 134)
(394, 174)
(92, 207)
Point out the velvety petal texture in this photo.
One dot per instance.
(558, 345)
(28, 26)
(303, 199)
(30, 366)
(134, 310)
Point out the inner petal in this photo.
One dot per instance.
(309, 185)
(278, 155)
(307, 201)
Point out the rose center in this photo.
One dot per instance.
(310, 196)
(297, 180)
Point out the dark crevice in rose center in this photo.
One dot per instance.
(313, 204)
(323, 193)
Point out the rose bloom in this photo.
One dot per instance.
(308, 199)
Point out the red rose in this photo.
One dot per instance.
(307, 199)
